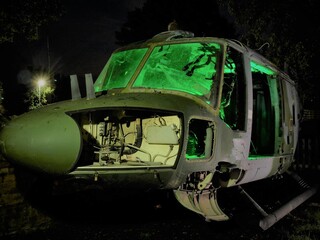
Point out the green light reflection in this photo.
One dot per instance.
(119, 69)
(189, 67)
(256, 67)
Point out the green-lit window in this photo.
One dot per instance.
(189, 67)
(266, 121)
(232, 108)
(200, 139)
(119, 69)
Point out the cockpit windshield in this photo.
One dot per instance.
(187, 67)
(184, 67)
(119, 69)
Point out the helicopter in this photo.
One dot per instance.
(191, 114)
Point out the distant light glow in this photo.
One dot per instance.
(41, 82)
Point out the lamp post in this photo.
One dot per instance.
(40, 84)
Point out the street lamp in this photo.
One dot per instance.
(40, 83)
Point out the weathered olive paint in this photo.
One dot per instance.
(49, 141)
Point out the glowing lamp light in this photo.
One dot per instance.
(41, 82)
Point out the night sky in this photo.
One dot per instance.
(84, 38)
(80, 42)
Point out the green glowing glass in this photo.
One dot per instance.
(189, 67)
(119, 69)
(257, 157)
(256, 67)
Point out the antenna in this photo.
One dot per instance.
(266, 43)
(173, 26)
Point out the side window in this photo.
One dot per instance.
(200, 139)
(266, 121)
(232, 108)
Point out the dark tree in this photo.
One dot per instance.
(23, 19)
(290, 29)
(21, 23)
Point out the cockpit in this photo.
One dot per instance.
(189, 67)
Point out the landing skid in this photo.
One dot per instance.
(275, 201)
(270, 219)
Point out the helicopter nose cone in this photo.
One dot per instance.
(43, 141)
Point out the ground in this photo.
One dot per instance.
(94, 215)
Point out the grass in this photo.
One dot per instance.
(306, 225)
